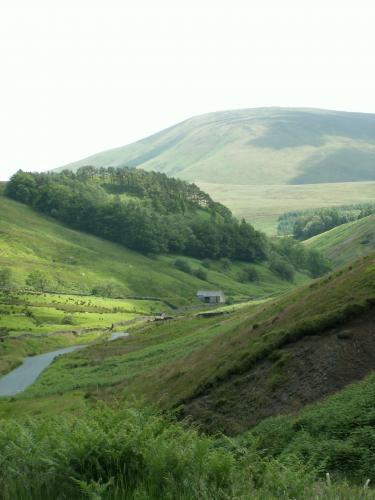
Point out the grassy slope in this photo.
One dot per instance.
(302, 312)
(336, 434)
(178, 361)
(256, 146)
(262, 205)
(346, 243)
(125, 359)
(75, 262)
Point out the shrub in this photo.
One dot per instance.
(249, 274)
(201, 274)
(37, 280)
(4, 331)
(29, 314)
(115, 454)
(68, 320)
(183, 265)
(317, 264)
(282, 269)
(225, 263)
(110, 289)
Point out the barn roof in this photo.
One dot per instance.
(210, 293)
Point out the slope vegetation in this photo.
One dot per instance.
(263, 204)
(231, 369)
(77, 262)
(347, 242)
(335, 434)
(257, 146)
(275, 357)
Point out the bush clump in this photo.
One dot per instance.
(68, 320)
(38, 281)
(200, 274)
(282, 268)
(226, 264)
(111, 289)
(183, 265)
(249, 274)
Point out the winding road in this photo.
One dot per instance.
(24, 375)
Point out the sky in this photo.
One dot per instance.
(81, 76)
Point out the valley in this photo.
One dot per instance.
(117, 382)
(260, 371)
(263, 204)
(187, 250)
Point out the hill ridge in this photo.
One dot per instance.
(268, 145)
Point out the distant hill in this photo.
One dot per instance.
(347, 242)
(260, 146)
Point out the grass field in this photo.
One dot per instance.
(261, 205)
(77, 262)
(347, 242)
(32, 323)
(45, 312)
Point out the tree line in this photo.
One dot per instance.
(144, 211)
(304, 224)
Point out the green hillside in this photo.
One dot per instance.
(262, 162)
(263, 385)
(276, 373)
(347, 242)
(76, 262)
(268, 359)
(257, 146)
(230, 371)
(75, 265)
(335, 434)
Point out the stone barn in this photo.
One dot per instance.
(211, 296)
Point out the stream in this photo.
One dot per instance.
(24, 375)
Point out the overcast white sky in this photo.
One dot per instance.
(81, 76)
